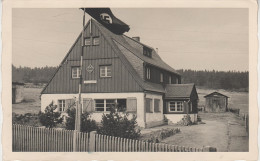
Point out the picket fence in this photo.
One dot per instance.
(35, 139)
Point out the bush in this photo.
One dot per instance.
(186, 121)
(26, 119)
(159, 135)
(50, 118)
(114, 124)
(87, 124)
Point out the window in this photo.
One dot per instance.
(170, 80)
(96, 41)
(161, 77)
(147, 52)
(190, 106)
(177, 81)
(121, 105)
(105, 71)
(88, 41)
(100, 105)
(106, 104)
(75, 72)
(175, 106)
(92, 41)
(61, 105)
(148, 105)
(110, 104)
(157, 105)
(148, 73)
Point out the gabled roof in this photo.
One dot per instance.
(136, 48)
(215, 94)
(179, 90)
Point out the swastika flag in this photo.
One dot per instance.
(107, 19)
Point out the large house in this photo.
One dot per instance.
(125, 72)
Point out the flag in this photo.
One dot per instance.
(107, 19)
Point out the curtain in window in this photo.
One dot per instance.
(131, 104)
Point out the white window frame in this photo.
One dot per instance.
(105, 104)
(105, 71)
(175, 103)
(96, 41)
(62, 105)
(148, 73)
(77, 72)
(161, 77)
(88, 39)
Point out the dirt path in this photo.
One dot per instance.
(224, 131)
(213, 133)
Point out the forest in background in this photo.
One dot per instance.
(230, 80)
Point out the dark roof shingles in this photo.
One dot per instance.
(178, 90)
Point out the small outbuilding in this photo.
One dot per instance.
(180, 100)
(17, 92)
(216, 102)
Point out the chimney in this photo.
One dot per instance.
(136, 38)
(157, 50)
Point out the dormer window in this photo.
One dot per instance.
(147, 51)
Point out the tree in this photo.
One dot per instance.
(114, 124)
(50, 118)
(87, 124)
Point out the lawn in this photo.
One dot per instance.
(31, 102)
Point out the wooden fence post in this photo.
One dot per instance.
(209, 149)
(92, 140)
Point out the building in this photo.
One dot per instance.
(184, 97)
(17, 92)
(216, 102)
(116, 69)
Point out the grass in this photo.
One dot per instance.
(30, 104)
(236, 99)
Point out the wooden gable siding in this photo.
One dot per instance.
(102, 54)
(103, 50)
(155, 76)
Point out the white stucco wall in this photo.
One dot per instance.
(174, 118)
(46, 99)
(154, 116)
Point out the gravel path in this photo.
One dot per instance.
(224, 131)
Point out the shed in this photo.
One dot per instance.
(216, 102)
(17, 92)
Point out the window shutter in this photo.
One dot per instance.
(157, 105)
(88, 105)
(131, 104)
(148, 104)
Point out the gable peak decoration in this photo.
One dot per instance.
(107, 19)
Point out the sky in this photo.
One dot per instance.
(186, 38)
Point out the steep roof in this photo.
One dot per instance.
(136, 48)
(216, 94)
(179, 90)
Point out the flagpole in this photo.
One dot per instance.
(79, 104)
